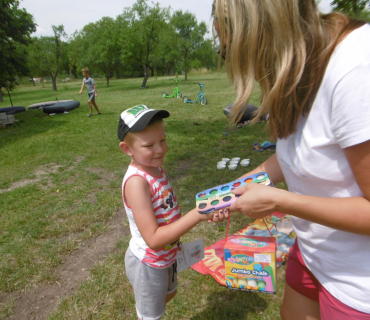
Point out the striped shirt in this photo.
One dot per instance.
(166, 210)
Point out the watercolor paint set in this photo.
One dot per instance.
(222, 196)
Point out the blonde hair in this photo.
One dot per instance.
(129, 137)
(285, 45)
(85, 70)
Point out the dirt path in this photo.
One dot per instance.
(38, 303)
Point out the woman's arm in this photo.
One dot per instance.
(348, 214)
(138, 197)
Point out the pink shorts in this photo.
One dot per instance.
(301, 279)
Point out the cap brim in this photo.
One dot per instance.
(145, 119)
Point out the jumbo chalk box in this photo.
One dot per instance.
(250, 263)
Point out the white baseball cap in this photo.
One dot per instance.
(137, 118)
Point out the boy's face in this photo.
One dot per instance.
(85, 74)
(149, 146)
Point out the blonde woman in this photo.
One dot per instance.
(314, 74)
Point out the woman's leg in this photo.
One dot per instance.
(298, 307)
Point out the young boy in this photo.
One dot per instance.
(151, 206)
(91, 90)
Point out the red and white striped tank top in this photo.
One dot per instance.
(166, 210)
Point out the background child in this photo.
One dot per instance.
(91, 90)
(153, 211)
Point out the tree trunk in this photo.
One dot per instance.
(146, 76)
(1, 96)
(70, 73)
(42, 82)
(107, 81)
(186, 69)
(118, 76)
(54, 80)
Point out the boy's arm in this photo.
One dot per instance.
(138, 197)
(96, 92)
(82, 87)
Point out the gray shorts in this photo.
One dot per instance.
(151, 286)
(91, 96)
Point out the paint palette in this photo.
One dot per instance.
(222, 196)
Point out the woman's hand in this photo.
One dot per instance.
(256, 200)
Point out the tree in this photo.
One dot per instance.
(190, 34)
(16, 27)
(98, 46)
(46, 55)
(58, 52)
(204, 54)
(144, 25)
(350, 6)
(166, 58)
(40, 57)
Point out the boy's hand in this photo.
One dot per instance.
(215, 216)
(220, 215)
(80, 92)
(96, 94)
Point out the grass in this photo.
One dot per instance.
(60, 184)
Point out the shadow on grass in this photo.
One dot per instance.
(27, 127)
(232, 304)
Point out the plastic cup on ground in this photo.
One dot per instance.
(233, 166)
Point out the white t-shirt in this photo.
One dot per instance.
(313, 163)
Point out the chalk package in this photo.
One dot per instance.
(250, 261)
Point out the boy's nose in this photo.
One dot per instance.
(159, 149)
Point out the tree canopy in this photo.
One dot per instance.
(16, 27)
(143, 40)
(190, 34)
(350, 6)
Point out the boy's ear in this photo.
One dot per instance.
(125, 148)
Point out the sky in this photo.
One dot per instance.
(75, 14)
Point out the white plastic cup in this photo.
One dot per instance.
(235, 159)
(226, 159)
(221, 167)
(233, 166)
(245, 162)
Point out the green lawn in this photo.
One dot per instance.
(61, 184)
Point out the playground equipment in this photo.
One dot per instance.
(200, 97)
(176, 93)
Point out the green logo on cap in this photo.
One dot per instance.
(136, 110)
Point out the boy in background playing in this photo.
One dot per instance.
(152, 209)
(91, 90)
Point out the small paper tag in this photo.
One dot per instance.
(262, 258)
(190, 253)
